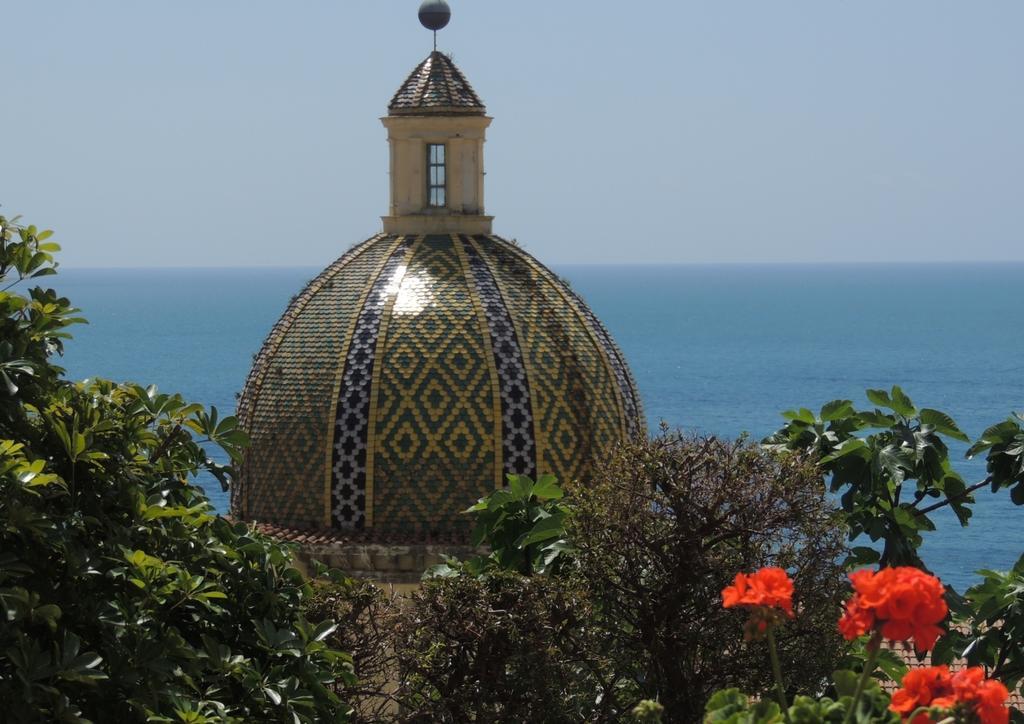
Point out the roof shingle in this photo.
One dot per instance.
(906, 653)
(436, 86)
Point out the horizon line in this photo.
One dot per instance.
(268, 267)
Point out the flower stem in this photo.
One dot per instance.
(780, 690)
(869, 667)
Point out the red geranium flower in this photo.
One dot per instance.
(987, 696)
(903, 602)
(767, 588)
(926, 686)
(935, 686)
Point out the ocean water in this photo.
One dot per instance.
(718, 349)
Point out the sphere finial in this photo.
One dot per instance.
(435, 14)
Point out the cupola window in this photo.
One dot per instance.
(435, 175)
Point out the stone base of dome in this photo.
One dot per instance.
(416, 224)
(389, 557)
(400, 565)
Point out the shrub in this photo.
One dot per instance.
(591, 603)
(366, 616)
(502, 647)
(493, 638)
(122, 596)
(523, 527)
(659, 532)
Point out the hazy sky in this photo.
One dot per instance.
(246, 132)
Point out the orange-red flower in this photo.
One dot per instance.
(935, 686)
(904, 602)
(857, 620)
(767, 588)
(987, 696)
(926, 686)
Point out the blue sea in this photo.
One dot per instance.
(717, 349)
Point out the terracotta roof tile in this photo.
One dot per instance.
(436, 86)
(910, 659)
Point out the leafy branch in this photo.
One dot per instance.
(891, 467)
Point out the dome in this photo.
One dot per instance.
(416, 372)
(428, 363)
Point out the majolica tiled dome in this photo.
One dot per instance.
(430, 361)
(413, 374)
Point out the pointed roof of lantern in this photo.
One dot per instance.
(438, 87)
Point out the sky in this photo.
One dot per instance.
(199, 133)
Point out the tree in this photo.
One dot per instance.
(123, 597)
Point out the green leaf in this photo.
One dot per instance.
(442, 570)
(48, 613)
(848, 447)
(862, 556)
(521, 486)
(545, 529)
(324, 629)
(943, 424)
(801, 415)
(499, 499)
(880, 398)
(896, 461)
(891, 664)
(8, 383)
(874, 418)
(901, 403)
(999, 433)
(845, 682)
(547, 488)
(836, 409)
(725, 698)
(210, 595)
